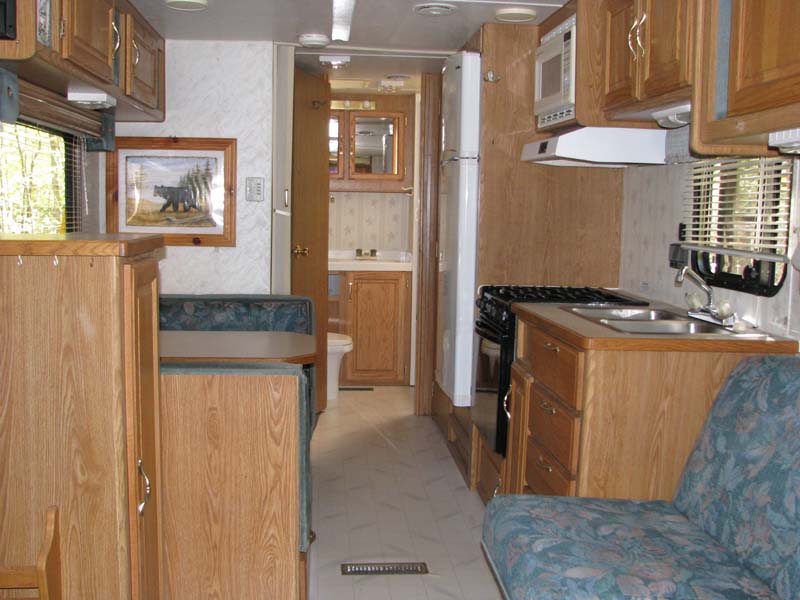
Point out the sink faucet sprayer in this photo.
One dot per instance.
(721, 315)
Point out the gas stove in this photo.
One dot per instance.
(494, 301)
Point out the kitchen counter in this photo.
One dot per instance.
(590, 335)
(368, 265)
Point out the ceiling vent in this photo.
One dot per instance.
(434, 9)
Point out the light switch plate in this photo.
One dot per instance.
(254, 189)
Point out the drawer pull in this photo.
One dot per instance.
(543, 465)
(547, 407)
(505, 404)
(552, 347)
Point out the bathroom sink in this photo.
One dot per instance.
(627, 314)
(667, 327)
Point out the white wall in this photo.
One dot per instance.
(652, 205)
(223, 90)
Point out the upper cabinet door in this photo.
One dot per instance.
(663, 40)
(90, 38)
(764, 55)
(336, 126)
(144, 61)
(619, 21)
(376, 145)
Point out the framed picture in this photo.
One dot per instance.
(181, 188)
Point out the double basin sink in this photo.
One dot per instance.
(655, 321)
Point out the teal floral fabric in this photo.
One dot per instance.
(236, 313)
(732, 533)
(551, 548)
(741, 484)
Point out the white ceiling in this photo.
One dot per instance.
(395, 39)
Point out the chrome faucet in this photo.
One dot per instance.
(722, 315)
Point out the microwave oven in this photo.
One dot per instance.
(554, 94)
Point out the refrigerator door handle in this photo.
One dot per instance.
(449, 156)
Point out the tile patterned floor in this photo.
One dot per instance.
(386, 489)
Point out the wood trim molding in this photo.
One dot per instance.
(430, 109)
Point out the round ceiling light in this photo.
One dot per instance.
(188, 5)
(314, 40)
(434, 9)
(397, 77)
(515, 14)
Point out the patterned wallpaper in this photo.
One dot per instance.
(221, 89)
(370, 220)
(651, 212)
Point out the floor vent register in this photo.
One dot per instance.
(391, 568)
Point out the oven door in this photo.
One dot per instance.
(492, 377)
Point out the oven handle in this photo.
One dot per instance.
(485, 330)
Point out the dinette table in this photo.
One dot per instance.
(236, 346)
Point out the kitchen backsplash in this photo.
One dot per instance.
(370, 220)
(652, 205)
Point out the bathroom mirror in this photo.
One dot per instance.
(375, 145)
(335, 145)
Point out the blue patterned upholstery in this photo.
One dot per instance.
(733, 531)
(236, 313)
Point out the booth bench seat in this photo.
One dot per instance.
(732, 532)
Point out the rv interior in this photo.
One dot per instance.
(368, 299)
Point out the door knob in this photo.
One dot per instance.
(298, 250)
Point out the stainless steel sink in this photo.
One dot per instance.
(667, 327)
(627, 314)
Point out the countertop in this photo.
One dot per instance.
(368, 264)
(590, 335)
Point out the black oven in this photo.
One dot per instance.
(495, 329)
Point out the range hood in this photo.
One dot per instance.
(600, 147)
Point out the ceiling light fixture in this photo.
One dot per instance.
(342, 18)
(398, 77)
(334, 61)
(514, 14)
(434, 9)
(314, 40)
(187, 5)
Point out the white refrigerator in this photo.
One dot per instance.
(458, 224)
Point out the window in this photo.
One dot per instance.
(41, 180)
(736, 222)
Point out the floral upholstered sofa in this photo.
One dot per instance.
(231, 312)
(732, 531)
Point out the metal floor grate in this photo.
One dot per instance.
(356, 388)
(395, 568)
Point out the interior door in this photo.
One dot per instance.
(310, 208)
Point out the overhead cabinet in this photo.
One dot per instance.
(90, 37)
(144, 60)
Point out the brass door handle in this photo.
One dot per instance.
(298, 250)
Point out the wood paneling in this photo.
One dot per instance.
(230, 509)
(459, 441)
(441, 409)
(427, 276)
(310, 209)
(487, 467)
(537, 224)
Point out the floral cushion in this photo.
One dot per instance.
(741, 483)
(236, 313)
(550, 548)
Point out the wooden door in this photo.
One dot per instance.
(142, 426)
(144, 66)
(377, 319)
(310, 208)
(517, 430)
(764, 55)
(666, 36)
(618, 36)
(90, 38)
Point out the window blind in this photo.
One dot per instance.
(42, 181)
(740, 207)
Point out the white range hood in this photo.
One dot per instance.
(600, 147)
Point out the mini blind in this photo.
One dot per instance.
(740, 207)
(42, 181)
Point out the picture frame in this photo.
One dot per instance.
(181, 188)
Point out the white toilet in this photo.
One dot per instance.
(338, 345)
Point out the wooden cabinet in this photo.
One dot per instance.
(608, 418)
(748, 74)
(646, 50)
(79, 395)
(372, 150)
(374, 309)
(91, 36)
(144, 61)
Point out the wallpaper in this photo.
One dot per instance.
(652, 204)
(370, 220)
(221, 89)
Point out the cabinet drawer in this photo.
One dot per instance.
(543, 475)
(488, 478)
(555, 365)
(552, 426)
